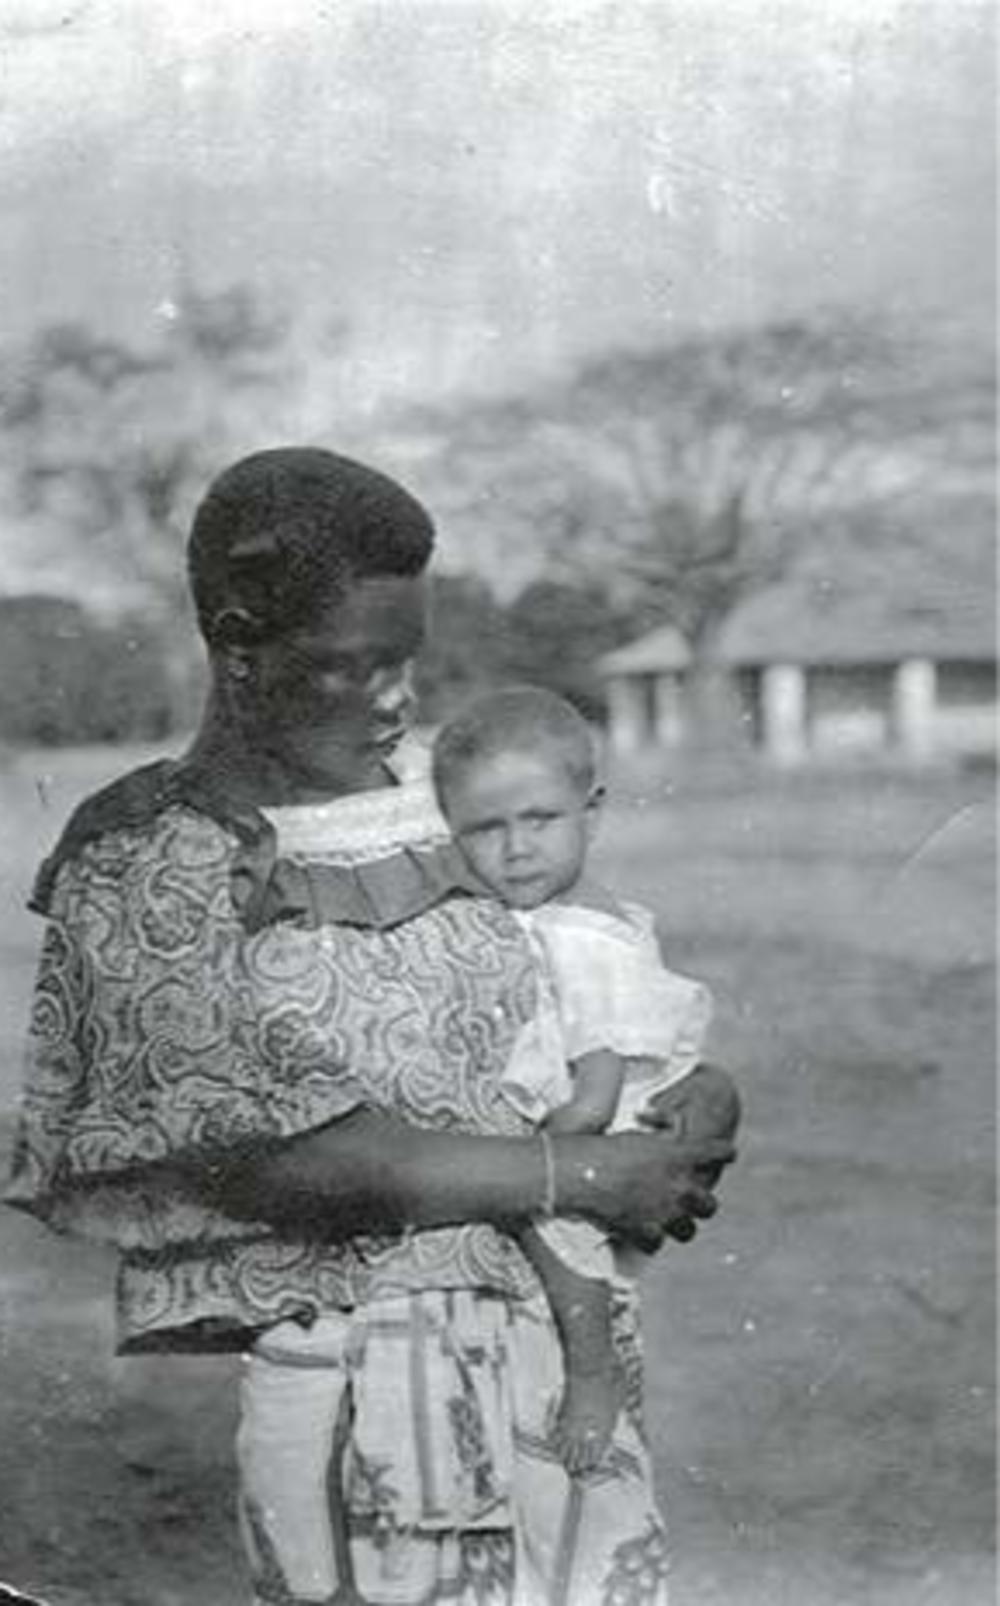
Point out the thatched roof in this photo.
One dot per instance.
(663, 649)
(957, 623)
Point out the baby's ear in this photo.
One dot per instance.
(594, 805)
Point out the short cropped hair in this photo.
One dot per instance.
(280, 536)
(520, 719)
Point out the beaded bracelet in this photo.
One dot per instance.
(548, 1207)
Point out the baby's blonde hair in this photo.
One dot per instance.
(520, 719)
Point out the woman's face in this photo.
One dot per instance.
(332, 699)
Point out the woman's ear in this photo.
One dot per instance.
(237, 663)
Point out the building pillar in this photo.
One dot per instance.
(914, 697)
(626, 715)
(668, 719)
(783, 713)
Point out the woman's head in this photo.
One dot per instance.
(306, 573)
(280, 537)
(515, 775)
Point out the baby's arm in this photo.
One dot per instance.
(597, 1084)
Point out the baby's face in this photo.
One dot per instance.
(523, 823)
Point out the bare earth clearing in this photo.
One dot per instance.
(820, 1361)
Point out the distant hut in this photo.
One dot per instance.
(646, 684)
(829, 680)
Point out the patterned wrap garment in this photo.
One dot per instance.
(211, 981)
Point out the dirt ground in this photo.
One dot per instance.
(821, 1360)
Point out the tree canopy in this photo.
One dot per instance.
(680, 480)
(658, 485)
(108, 445)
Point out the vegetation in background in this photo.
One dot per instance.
(66, 677)
(681, 481)
(667, 484)
(551, 634)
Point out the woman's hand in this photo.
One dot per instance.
(642, 1187)
(646, 1188)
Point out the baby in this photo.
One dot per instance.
(515, 777)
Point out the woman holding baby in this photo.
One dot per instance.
(275, 1008)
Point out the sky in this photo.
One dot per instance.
(480, 191)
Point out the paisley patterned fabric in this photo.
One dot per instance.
(162, 1031)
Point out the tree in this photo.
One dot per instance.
(548, 635)
(712, 461)
(557, 631)
(679, 481)
(464, 650)
(66, 677)
(109, 446)
(503, 480)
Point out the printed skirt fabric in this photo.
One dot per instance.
(401, 1455)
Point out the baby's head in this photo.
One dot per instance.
(515, 777)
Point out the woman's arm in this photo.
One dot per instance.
(371, 1173)
(193, 1088)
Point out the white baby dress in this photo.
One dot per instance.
(605, 987)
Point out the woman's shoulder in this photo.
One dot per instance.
(140, 820)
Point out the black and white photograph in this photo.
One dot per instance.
(498, 750)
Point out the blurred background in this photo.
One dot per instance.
(680, 317)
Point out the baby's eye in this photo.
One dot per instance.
(479, 833)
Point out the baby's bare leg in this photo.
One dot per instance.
(593, 1387)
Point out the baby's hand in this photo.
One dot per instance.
(705, 1106)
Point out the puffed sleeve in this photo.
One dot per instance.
(55, 1074)
(160, 1031)
(615, 993)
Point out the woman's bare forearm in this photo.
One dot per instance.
(369, 1173)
